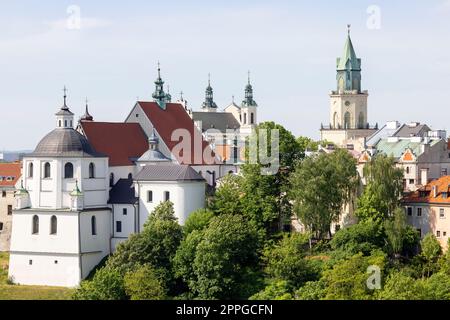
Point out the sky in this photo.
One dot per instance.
(109, 52)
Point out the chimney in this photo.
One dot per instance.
(424, 176)
(435, 191)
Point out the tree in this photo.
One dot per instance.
(437, 287)
(156, 245)
(277, 290)
(348, 278)
(144, 284)
(219, 262)
(286, 261)
(400, 286)
(107, 284)
(398, 233)
(197, 220)
(363, 237)
(383, 191)
(314, 290)
(227, 199)
(320, 186)
(431, 252)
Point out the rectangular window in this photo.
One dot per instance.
(420, 232)
(150, 196)
(444, 172)
(442, 213)
(10, 209)
(419, 212)
(167, 196)
(3, 194)
(438, 234)
(125, 211)
(411, 181)
(445, 233)
(30, 262)
(118, 226)
(1, 226)
(409, 210)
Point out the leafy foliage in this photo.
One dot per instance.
(107, 284)
(144, 284)
(197, 220)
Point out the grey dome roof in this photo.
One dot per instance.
(153, 156)
(65, 142)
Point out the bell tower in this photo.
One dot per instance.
(348, 103)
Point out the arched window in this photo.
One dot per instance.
(47, 171)
(245, 118)
(130, 176)
(361, 124)
(111, 180)
(335, 120)
(30, 170)
(59, 123)
(35, 227)
(252, 115)
(407, 170)
(68, 171)
(65, 123)
(53, 225)
(347, 120)
(341, 84)
(91, 170)
(167, 196)
(94, 225)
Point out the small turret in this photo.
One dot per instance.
(22, 198)
(77, 199)
(209, 104)
(64, 117)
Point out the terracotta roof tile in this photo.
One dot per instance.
(172, 118)
(425, 194)
(11, 171)
(121, 142)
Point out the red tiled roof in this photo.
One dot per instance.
(172, 118)
(12, 171)
(121, 142)
(425, 194)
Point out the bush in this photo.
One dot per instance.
(107, 284)
(144, 284)
(198, 220)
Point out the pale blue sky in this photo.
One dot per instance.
(289, 46)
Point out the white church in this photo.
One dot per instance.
(89, 185)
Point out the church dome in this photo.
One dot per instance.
(64, 142)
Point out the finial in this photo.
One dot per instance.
(249, 77)
(65, 95)
(168, 89)
(181, 96)
(209, 79)
(159, 69)
(349, 26)
(232, 98)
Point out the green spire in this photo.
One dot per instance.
(209, 96)
(22, 189)
(348, 68)
(159, 95)
(249, 102)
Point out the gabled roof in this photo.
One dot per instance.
(121, 142)
(10, 173)
(222, 121)
(426, 194)
(123, 192)
(167, 120)
(168, 172)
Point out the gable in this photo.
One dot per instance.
(408, 156)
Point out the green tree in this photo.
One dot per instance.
(363, 237)
(144, 284)
(437, 287)
(224, 259)
(156, 245)
(107, 284)
(286, 261)
(399, 235)
(431, 252)
(277, 290)
(197, 220)
(227, 199)
(313, 290)
(347, 280)
(320, 186)
(444, 262)
(400, 286)
(383, 191)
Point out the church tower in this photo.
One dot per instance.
(209, 105)
(348, 103)
(248, 109)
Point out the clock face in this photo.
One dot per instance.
(347, 103)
